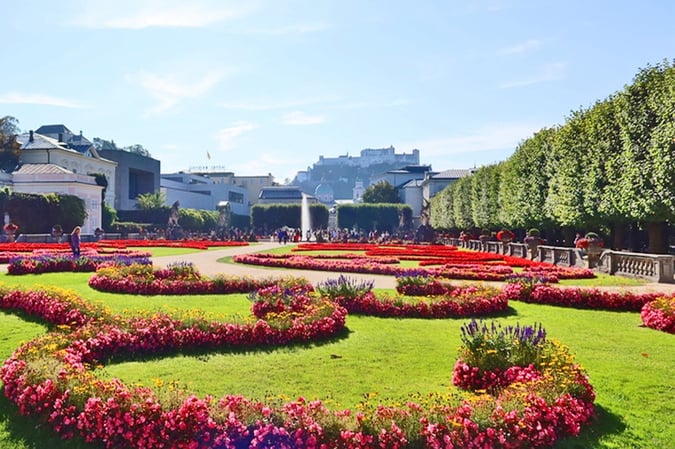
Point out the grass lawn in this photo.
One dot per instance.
(630, 366)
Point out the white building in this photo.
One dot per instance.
(66, 165)
(194, 191)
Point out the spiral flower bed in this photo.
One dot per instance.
(175, 279)
(659, 314)
(371, 265)
(51, 377)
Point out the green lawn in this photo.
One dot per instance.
(630, 366)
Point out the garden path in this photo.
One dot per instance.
(206, 262)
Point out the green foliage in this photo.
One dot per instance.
(441, 209)
(383, 217)
(524, 182)
(461, 204)
(37, 213)
(101, 180)
(108, 216)
(197, 219)
(344, 287)
(147, 201)
(9, 147)
(381, 192)
(157, 216)
(274, 216)
(485, 195)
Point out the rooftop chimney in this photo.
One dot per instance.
(30, 138)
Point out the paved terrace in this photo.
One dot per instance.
(206, 262)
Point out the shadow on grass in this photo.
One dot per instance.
(204, 353)
(605, 423)
(20, 432)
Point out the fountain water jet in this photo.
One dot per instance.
(305, 220)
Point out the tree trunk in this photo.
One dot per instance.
(657, 241)
(619, 231)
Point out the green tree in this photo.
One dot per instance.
(524, 182)
(381, 192)
(9, 147)
(461, 204)
(137, 149)
(645, 186)
(441, 210)
(485, 195)
(148, 201)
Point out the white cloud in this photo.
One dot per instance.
(550, 72)
(226, 135)
(523, 47)
(497, 136)
(45, 100)
(300, 118)
(139, 14)
(253, 106)
(169, 91)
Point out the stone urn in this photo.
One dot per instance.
(533, 240)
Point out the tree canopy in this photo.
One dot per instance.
(381, 192)
(609, 168)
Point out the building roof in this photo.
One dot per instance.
(53, 129)
(39, 142)
(454, 173)
(278, 193)
(42, 169)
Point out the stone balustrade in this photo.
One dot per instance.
(651, 267)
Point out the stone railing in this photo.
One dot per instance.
(651, 267)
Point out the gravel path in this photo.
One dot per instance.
(206, 262)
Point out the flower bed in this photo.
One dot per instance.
(579, 298)
(87, 262)
(11, 249)
(474, 271)
(175, 279)
(659, 314)
(52, 377)
(446, 302)
(460, 302)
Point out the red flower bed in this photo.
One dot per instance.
(659, 314)
(186, 280)
(580, 298)
(461, 270)
(460, 302)
(193, 244)
(70, 397)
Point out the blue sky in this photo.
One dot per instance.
(266, 86)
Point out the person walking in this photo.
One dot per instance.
(75, 241)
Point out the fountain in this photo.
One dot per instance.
(305, 219)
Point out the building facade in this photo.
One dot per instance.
(66, 164)
(201, 192)
(135, 175)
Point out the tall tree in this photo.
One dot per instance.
(381, 192)
(524, 182)
(9, 147)
(644, 190)
(484, 196)
(442, 211)
(461, 204)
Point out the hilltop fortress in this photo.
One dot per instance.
(341, 174)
